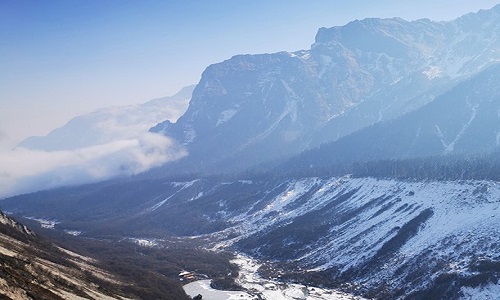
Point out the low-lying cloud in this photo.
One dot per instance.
(23, 170)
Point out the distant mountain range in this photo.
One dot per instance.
(112, 123)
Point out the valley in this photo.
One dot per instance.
(312, 230)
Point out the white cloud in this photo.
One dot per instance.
(23, 170)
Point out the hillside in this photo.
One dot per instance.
(35, 269)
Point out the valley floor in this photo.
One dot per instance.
(258, 288)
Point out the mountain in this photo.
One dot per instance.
(255, 109)
(462, 121)
(384, 239)
(110, 124)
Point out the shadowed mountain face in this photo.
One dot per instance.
(259, 108)
(464, 120)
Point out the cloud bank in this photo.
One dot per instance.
(23, 170)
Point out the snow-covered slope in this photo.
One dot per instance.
(111, 124)
(388, 239)
(381, 235)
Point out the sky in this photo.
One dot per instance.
(62, 58)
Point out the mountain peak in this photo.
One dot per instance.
(484, 17)
(393, 37)
(358, 29)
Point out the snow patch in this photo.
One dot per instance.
(202, 287)
(275, 290)
(182, 185)
(148, 243)
(226, 115)
(433, 72)
(490, 291)
(189, 134)
(450, 146)
(327, 62)
(47, 224)
(73, 232)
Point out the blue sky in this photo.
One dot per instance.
(61, 58)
